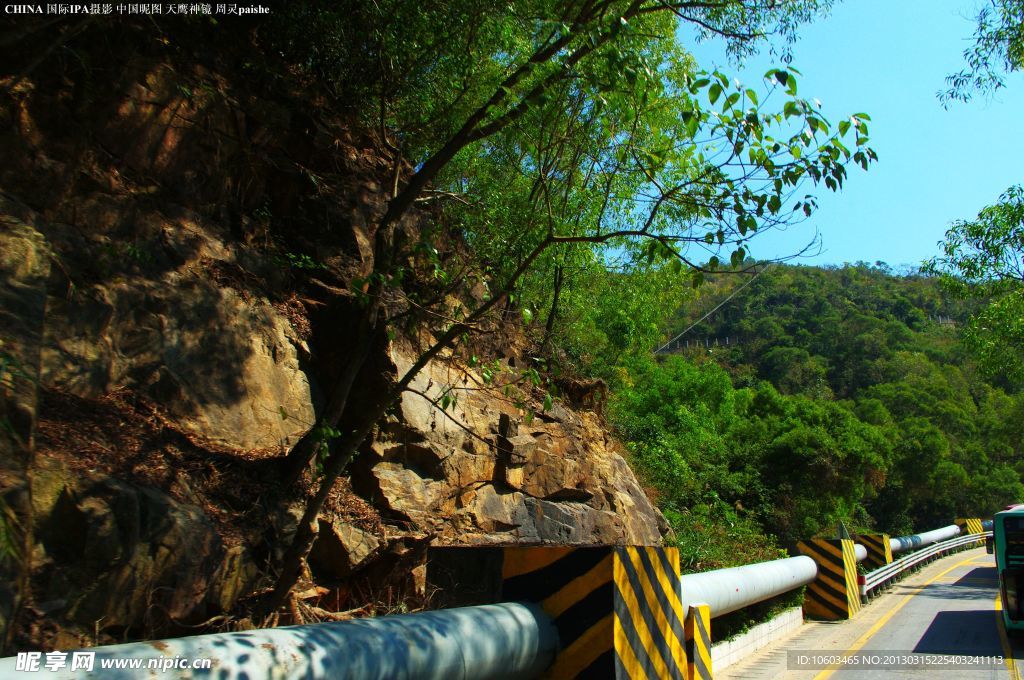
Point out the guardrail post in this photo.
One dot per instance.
(698, 642)
(617, 609)
(834, 594)
(879, 549)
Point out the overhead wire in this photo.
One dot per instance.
(717, 307)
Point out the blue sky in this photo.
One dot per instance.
(888, 58)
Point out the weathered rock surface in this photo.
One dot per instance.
(24, 270)
(223, 363)
(454, 473)
(341, 548)
(134, 549)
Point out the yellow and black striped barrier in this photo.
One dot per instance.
(970, 525)
(834, 594)
(879, 549)
(617, 609)
(649, 620)
(574, 586)
(698, 642)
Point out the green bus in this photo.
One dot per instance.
(1008, 545)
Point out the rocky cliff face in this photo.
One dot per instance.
(173, 348)
(479, 473)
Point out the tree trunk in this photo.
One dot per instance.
(549, 326)
(306, 532)
(304, 451)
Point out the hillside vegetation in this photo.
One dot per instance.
(845, 394)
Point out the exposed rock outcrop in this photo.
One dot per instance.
(558, 479)
(137, 553)
(223, 362)
(138, 254)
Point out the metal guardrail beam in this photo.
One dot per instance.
(489, 641)
(726, 590)
(509, 640)
(903, 543)
(882, 575)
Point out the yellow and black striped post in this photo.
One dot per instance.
(617, 610)
(834, 594)
(649, 619)
(698, 642)
(970, 525)
(574, 586)
(879, 549)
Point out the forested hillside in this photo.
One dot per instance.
(844, 394)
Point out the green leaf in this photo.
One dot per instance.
(714, 92)
(737, 257)
(692, 124)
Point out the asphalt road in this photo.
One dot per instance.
(945, 613)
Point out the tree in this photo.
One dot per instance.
(985, 258)
(998, 48)
(591, 131)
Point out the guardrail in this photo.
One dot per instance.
(883, 575)
(728, 590)
(519, 639)
(926, 538)
(488, 641)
